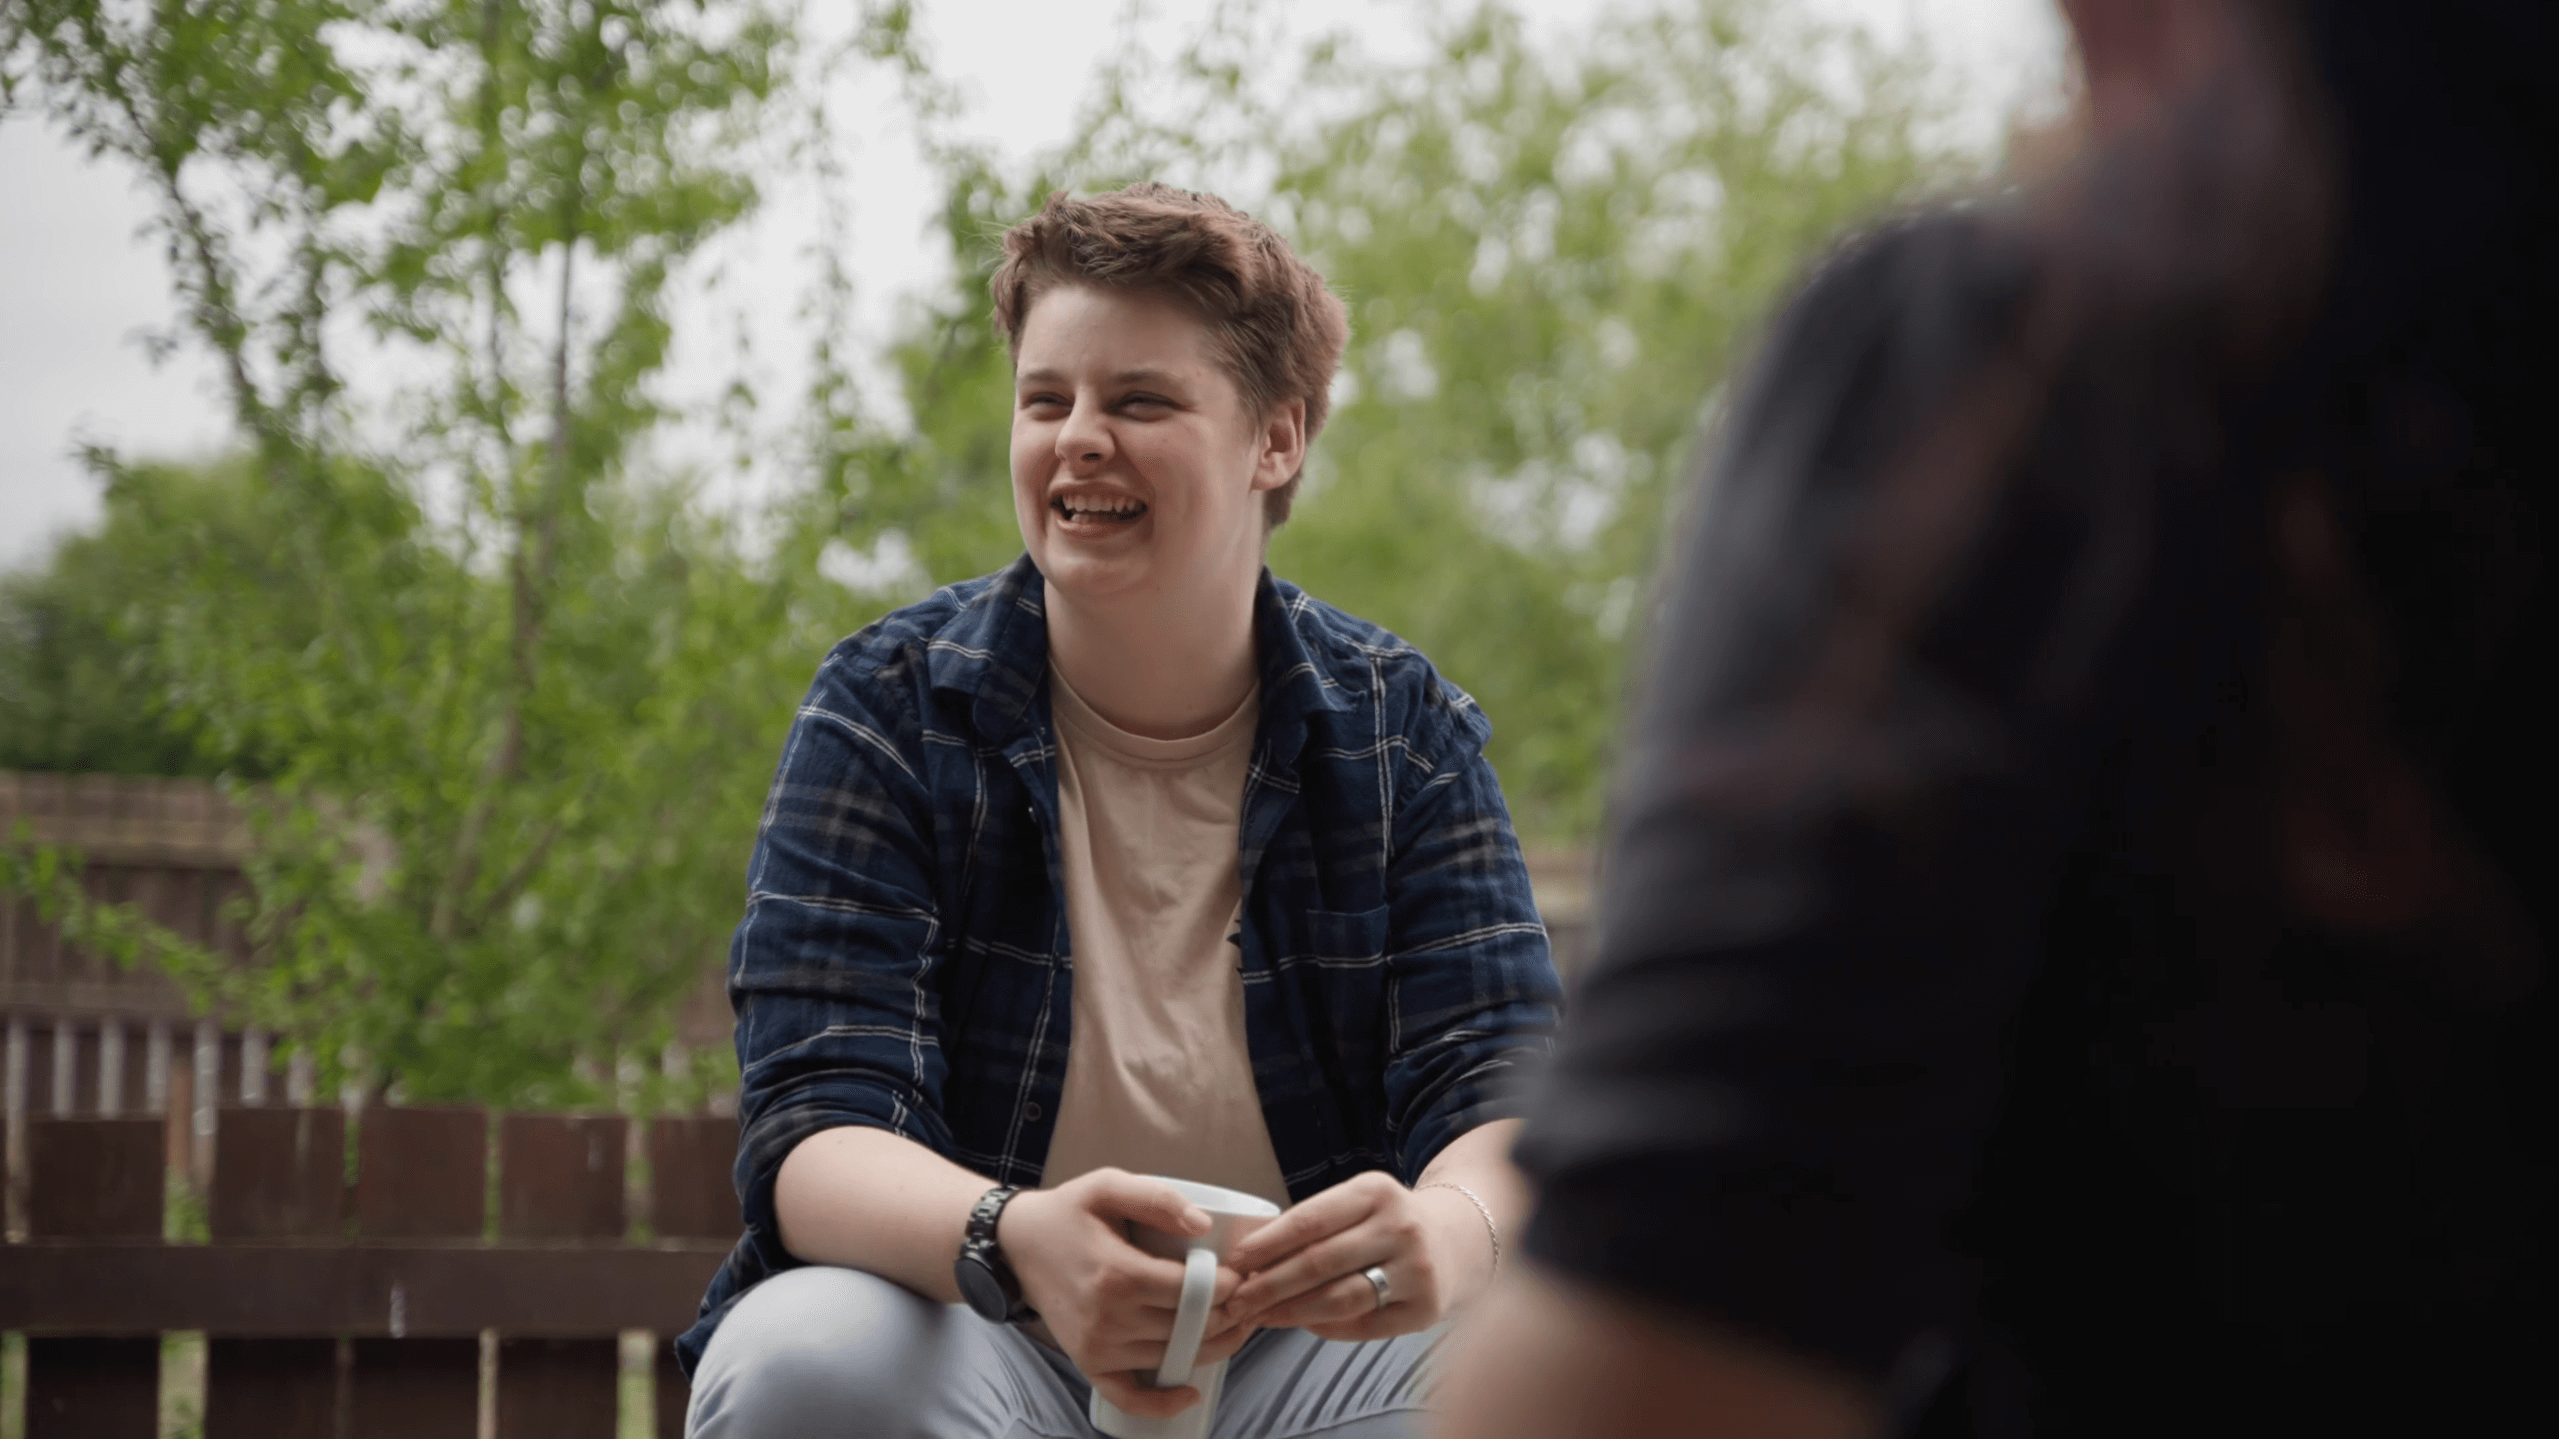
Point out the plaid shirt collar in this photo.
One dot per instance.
(996, 653)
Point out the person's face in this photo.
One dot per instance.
(1138, 470)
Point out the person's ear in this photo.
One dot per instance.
(1283, 446)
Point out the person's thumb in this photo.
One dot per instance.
(1152, 1203)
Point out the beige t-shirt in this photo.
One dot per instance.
(1158, 1077)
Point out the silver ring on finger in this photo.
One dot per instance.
(1375, 1274)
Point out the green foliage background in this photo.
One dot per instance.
(1550, 258)
(503, 692)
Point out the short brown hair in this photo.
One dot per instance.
(1278, 329)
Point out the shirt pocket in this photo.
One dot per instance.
(1347, 939)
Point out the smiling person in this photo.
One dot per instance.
(1127, 860)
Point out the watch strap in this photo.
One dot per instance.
(978, 1249)
(988, 1209)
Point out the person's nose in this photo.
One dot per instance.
(1084, 441)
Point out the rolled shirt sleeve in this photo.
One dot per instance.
(830, 971)
(1471, 991)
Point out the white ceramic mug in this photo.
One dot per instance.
(1232, 1215)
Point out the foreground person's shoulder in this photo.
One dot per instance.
(1922, 294)
(1880, 335)
(1917, 257)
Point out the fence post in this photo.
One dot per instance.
(110, 1067)
(253, 1067)
(208, 1094)
(155, 1068)
(66, 1074)
(15, 1067)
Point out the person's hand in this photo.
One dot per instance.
(1307, 1268)
(1110, 1304)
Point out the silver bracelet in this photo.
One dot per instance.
(1491, 1230)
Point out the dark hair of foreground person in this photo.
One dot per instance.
(2073, 931)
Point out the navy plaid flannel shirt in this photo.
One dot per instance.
(904, 960)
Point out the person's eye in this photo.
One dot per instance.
(1146, 402)
(1043, 402)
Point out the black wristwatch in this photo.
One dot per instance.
(986, 1281)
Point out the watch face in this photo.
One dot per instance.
(983, 1291)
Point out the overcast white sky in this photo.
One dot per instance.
(79, 284)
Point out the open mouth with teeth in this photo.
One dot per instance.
(1092, 509)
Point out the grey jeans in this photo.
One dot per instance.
(847, 1355)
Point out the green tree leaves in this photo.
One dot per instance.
(1551, 257)
(503, 702)
(80, 685)
(509, 707)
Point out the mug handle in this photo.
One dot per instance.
(1199, 1284)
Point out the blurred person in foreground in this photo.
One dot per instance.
(1127, 860)
(2072, 937)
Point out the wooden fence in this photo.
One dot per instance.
(170, 848)
(345, 1272)
(355, 1274)
(349, 1271)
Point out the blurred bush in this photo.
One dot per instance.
(78, 694)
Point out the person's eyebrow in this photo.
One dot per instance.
(1144, 375)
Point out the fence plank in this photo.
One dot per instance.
(128, 1063)
(673, 1394)
(85, 1074)
(232, 1070)
(279, 1174)
(290, 1289)
(37, 1095)
(421, 1173)
(690, 1196)
(560, 1176)
(415, 1389)
(177, 899)
(224, 934)
(93, 1388)
(45, 957)
(559, 1388)
(104, 884)
(94, 1178)
(271, 1388)
(18, 924)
